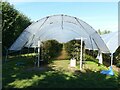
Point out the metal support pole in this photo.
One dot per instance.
(38, 53)
(111, 59)
(100, 58)
(35, 56)
(81, 54)
(84, 55)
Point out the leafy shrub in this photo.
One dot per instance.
(117, 57)
(73, 49)
(50, 49)
(118, 64)
(13, 24)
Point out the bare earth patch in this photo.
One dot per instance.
(116, 68)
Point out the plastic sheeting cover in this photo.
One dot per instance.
(62, 28)
(111, 41)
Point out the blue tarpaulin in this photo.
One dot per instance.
(108, 72)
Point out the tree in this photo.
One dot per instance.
(13, 23)
(103, 32)
(99, 32)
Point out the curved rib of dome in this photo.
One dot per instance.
(62, 28)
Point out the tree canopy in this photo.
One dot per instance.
(103, 32)
(13, 23)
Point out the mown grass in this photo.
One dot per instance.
(57, 74)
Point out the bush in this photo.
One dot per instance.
(13, 24)
(93, 53)
(118, 64)
(106, 59)
(73, 49)
(117, 57)
(50, 49)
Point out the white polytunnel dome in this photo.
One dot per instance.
(111, 40)
(62, 28)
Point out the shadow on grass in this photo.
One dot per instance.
(10, 70)
(19, 77)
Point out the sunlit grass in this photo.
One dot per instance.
(59, 74)
(30, 54)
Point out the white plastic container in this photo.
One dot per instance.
(72, 62)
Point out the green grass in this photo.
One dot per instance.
(57, 74)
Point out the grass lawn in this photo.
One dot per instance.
(57, 74)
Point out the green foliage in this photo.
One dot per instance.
(50, 49)
(56, 75)
(0, 5)
(13, 23)
(92, 53)
(69, 47)
(73, 49)
(117, 57)
(103, 32)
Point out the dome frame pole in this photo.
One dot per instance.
(81, 53)
(38, 53)
(111, 58)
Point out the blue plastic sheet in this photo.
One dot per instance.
(108, 72)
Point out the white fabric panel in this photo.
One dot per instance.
(62, 28)
(34, 27)
(62, 36)
(111, 41)
(100, 43)
(87, 28)
(90, 46)
(21, 41)
(69, 19)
